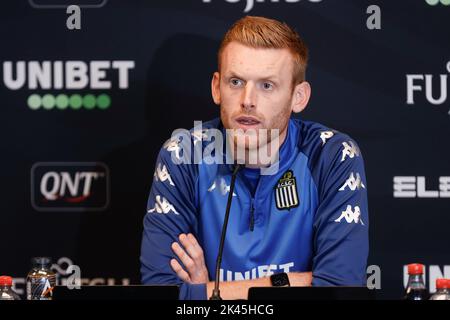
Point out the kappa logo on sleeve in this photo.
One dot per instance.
(173, 145)
(353, 183)
(351, 216)
(200, 135)
(162, 174)
(325, 135)
(286, 195)
(162, 206)
(350, 150)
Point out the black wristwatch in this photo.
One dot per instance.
(280, 280)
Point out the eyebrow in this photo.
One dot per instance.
(232, 74)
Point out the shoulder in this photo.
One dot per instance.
(320, 143)
(181, 151)
(333, 156)
(182, 143)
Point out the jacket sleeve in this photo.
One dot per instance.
(341, 222)
(171, 210)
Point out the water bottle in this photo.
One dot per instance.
(6, 291)
(416, 290)
(40, 280)
(442, 290)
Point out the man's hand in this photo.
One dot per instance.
(191, 255)
(194, 271)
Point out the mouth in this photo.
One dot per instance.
(247, 122)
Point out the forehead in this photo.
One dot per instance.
(260, 62)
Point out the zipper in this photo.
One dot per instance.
(252, 204)
(252, 216)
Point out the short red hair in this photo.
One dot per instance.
(260, 32)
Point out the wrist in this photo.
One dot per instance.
(300, 279)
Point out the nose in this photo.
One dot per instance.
(249, 96)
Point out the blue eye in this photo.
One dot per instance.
(235, 82)
(267, 86)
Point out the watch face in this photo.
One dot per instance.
(280, 280)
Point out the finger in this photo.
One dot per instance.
(183, 256)
(191, 249)
(195, 242)
(198, 251)
(183, 275)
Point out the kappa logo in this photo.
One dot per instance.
(351, 216)
(223, 187)
(173, 145)
(162, 206)
(350, 150)
(162, 174)
(353, 183)
(325, 135)
(200, 135)
(286, 194)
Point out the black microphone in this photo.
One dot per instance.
(216, 292)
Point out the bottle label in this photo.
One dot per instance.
(41, 288)
(6, 296)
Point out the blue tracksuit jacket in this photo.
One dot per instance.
(312, 215)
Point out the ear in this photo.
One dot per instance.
(215, 87)
(301, 95)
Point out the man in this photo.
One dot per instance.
(306, 223)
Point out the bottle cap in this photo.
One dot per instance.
(442, 283)
(41, 262)
(415, 268)
(5, 281)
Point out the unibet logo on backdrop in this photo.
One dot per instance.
(69, 186)
(67, 75)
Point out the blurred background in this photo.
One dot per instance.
(83, 113)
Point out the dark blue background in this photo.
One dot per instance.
(358, 79)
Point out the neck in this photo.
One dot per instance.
(264, 155)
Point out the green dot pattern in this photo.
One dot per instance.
(89, 101)
(64, 101)
(435, 2)
(103, 101)
(48, 102)
(34, 102)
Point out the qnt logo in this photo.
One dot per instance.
(69, 186)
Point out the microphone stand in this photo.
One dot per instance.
(216, 292)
